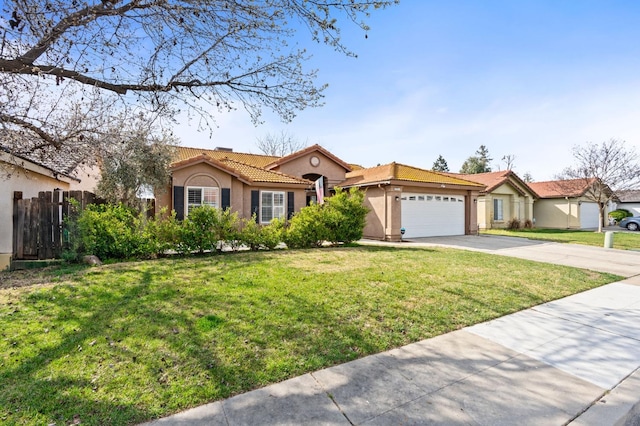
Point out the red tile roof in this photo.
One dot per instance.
(562, 188)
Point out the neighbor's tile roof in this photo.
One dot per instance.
(402, 172)
(492, 180)
(185, 153)
(561, 188)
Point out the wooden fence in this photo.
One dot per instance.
(39, 222)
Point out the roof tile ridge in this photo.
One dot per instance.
(266, 170)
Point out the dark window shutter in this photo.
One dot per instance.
(178, 201)
(290, 205)
(226, 198)
(255, 204)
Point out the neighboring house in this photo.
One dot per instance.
(563, 204)
(425, 203)
(629, 200)
(30, 174)
(422, 202)
(505, 197)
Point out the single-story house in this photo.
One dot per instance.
(505, 197)
(251, 184)
(564, 204)
(628, 200)
(423, 202)
(30, 174)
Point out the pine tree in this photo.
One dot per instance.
(440, 165)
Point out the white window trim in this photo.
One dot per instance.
(498, 214)
(284, 205)
(202, 189)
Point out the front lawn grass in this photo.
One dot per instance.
(125, 343)
(621, 240)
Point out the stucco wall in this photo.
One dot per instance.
(514, 206)
(384, 217)
(327, 167)
(557, 213)
(30, 183)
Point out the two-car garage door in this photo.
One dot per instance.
(430, 215)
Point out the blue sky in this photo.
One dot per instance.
(530, 79)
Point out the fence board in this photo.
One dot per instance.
(39, 222)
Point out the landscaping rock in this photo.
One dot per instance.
(91, 260)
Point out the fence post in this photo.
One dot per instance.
(18, 218)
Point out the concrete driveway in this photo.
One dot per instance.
(625, 263)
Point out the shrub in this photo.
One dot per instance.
(514, 224)
(620, 214)
(198, 231)
(344, 216)
(340, 219)
(306, 228)
(258, 237)
(162, 233)
(111, 231)
(528, 224)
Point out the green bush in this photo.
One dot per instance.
(111, 232)
(198, 231)
(208, 229)
(620, 214)
(340, 219)
(306, 228)
(344, 216)
(163, 233)
(256, 236)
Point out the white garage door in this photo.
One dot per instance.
(588, 215)
(429, 215)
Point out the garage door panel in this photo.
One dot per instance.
(429, 215)
(589, 213)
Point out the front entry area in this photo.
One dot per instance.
(432, 215)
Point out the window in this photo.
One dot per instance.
(201, 196)
(438, 198)
(272, 206)
(420, 197)
(429, 197)
(497, 209)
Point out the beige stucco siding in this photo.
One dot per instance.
(557, 213)
(514, 206)
(334, 172)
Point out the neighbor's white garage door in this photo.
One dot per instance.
(588, 215)
(428, 215)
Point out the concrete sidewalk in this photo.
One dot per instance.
(574, 360)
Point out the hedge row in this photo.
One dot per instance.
(118, 232)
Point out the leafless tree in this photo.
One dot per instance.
(280, 145)
(509, 160)
(70, 70)
(603, 169)
(527, 177)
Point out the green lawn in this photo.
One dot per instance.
(125, 343)
(621, 240)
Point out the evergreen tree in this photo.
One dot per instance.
(440, 165)
(478, 163)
